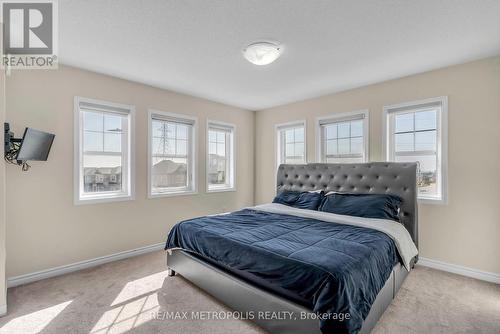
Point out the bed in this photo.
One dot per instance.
(302, 271)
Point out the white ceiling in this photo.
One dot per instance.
(194, 46)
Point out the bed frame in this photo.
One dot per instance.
(366, 178)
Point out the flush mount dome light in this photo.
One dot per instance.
(262, 53)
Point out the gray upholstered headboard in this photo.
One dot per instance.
(365, 178)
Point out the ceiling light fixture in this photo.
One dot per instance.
(262, 53)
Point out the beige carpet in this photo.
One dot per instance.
(131, 296)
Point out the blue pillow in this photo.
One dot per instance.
(383, 206)
(300, 200)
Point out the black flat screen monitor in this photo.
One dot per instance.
(35, 145)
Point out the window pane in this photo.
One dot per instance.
(113, 123)
(102, 173)
(212, 148)
(93, 141)
(299, 135)
(217, 170)
(357, 128)
(169, 146)
(157, 146)
(212, 136)
(343, 129)
(291, 143)
(170, 128)
(331, 147)
(425, 120)
(348, 160)
(357, 145)
(331, 160)
(419, 144)
(166, 173)
(157, 128)
(343, 146)
(112, 142)
(404, 122)
(221, 137)
(427, 176)
(294, 161)
(425, 141)
(170, 172)
(404, 142)
(331, 131)
(92, 121)
(290, 150)
(219, 176)
(182, 131)
(299, 149)
(427, 163)
(221, 150)
(181, 147)
(104, 145)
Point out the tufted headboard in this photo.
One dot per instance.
(364, 178)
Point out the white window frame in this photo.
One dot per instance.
(192, 153)
(363, 114)
(128, 168)
(230, 164)
(441, 142)
(279, 145)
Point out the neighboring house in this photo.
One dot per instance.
(168, 173)
(102, 179)
(216, 169)
(428, 178)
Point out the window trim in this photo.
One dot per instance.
(232, 162)
(78, 152)
(194, 153)
(344, 116)
(277, 140)
(441, 142)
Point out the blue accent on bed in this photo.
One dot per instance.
(380, 206)
(332, 268)
(300, 200)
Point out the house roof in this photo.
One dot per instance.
(168, 167)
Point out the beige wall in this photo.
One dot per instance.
(466, 231)
(45, 229)
(3, 288)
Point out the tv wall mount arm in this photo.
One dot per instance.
(11, 148)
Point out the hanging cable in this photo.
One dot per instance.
(10, 157)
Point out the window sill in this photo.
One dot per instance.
(104, 199)
(172, 194)
(220, 190)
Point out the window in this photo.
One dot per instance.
(416, 132)
(103, 151)
(291, 143)
(171, 154)
(343, 138)
(220, 157)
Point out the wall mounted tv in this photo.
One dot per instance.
(35, 145)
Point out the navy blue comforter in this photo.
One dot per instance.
(335, 269)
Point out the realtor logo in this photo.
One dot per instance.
(29, 34)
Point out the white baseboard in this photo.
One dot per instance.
(460, 270)
(3, 310)
(56, 271)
